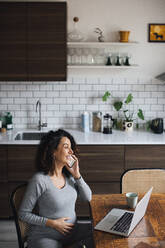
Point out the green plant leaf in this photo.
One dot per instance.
(129, 98)
(106, 96)
(140, 114)
(118, 105)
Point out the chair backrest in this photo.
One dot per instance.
(15, 201)
(140, 180)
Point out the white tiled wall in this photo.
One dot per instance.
(63, 102)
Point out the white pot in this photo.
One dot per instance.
(128, 125)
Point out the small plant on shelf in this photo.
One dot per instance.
(123, 105)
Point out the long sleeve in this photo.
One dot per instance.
(84, 192)
(34, 190)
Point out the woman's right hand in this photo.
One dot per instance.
(60, 225)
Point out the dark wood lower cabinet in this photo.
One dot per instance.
(145, 156)
(101, 166)
(21, 162)
(4, 200)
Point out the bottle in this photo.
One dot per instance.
(76, 35)
(85, 122)
(9, 123)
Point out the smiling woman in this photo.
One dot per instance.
(54, 188)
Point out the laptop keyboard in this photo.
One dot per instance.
(123, 224)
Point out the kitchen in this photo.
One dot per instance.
(63, 102)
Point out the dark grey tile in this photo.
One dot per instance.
(8, 244)
(7, 231)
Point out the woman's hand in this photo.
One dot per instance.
(74, 170)
(60, 225)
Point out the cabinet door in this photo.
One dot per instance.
(4, 202)
(13, 28)
(147, 156)
(102, 166)
(47, 41)
(3, 163)
(21, 162)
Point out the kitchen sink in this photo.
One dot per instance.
(29, 135)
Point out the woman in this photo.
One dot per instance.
(54, 188)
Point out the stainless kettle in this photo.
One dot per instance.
(157, 125)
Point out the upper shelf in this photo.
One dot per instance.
(100, 44)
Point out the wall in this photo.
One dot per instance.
(63, 102)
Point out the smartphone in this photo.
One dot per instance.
(71, 162)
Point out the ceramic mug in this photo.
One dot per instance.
(132, 199)
(128, 126)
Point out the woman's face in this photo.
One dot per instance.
(64, 151)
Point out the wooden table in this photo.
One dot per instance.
(149, 233)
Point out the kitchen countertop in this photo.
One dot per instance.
(135, 137)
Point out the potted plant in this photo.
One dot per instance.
(128, 115)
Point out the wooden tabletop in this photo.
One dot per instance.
(149, 233)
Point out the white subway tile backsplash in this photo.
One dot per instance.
(79, 107)
(125, 87)
(137, 87)
(151, 114)
(59, 87)
(4, 94)
(73, 100)
(64, 102)
(79, 94)
(138, 100)
(20, 114)
(92, 107)
(46, 87)
(20, 87)
(157, 94)
(33, 87)
(53, 107)
(3, 108)
(25, 94)
(39, 94)
(151, 100)
(151, 87)
(59, 100)
(13, 94)
(6, 100)
(6, 87)
(157, 107)
(66, 107)
(143, 94)
(13, 107)
(86, 87)
(73, 114)
(26, 107)
(52, 94)
(72, 87)
(66, 94)
(99, 87)
(161, 88)
(45, 101)
(161, 101)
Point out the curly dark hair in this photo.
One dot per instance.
(46, 148)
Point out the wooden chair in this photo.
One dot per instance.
(141, 179)
(22, 227)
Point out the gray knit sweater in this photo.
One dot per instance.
(52, 202)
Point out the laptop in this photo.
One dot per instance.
(122, 222)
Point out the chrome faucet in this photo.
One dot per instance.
(40, 124)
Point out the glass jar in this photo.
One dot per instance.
(97, 121)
